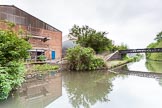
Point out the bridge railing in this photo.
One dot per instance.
(145, 50)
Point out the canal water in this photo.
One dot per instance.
(140, 87)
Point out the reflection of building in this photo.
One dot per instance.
(44, 38)
(36, 92)
(41, 91)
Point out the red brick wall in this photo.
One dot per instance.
(54, 44)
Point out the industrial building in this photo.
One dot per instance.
(44, 38)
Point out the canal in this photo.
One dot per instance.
(138, 86)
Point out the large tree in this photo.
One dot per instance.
(88, 37)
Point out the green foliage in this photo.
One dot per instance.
(154, 56)
(10, 77)
(13, 49)
(157, 44)
(159, 37)
(121, 47)
(42, 57)
(152, 45)
(45, 67)
(10, 25)
(80, 58)
(88, 37)
(135, 58)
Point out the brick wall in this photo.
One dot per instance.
(53, 44)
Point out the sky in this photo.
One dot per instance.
(132, 22)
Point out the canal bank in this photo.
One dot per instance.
(90, 89)
(116, 63)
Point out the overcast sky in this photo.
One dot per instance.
(133, 22)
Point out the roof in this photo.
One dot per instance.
(31, 15)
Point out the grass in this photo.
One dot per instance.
(42, 68)
(45, 67)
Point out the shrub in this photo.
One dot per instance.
(80, 58)
(13, 49)
(42, 57)
(10, 77)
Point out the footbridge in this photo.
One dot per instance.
(145, 50)
(119, 54)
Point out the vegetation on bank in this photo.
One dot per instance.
(156, 44)
(13, 50)
(134, 58)
(81, 58)
(44, 67)
(126, 59)
(90, 42)
(115, 63)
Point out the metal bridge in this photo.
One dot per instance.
(145, 50)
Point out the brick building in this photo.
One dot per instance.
(44, 38)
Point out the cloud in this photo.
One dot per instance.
(132, 22)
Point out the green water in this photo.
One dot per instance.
(96, 89)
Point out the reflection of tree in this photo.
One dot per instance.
(120, 71)
(87, 88)
(125, 67)
(160, 81)
(154, 66)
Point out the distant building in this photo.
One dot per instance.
(44, 38)
(67, 44)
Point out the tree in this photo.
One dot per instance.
(12, 50)
(122, 47)
(159, 37)
(156, 44)
(88, 37)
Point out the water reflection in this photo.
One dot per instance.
(87, 88)
(37, 92)
(154, 66)
(98, 89)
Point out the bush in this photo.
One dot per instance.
(80, 58)
(13, 49)
(42, 57)
(10, 77)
